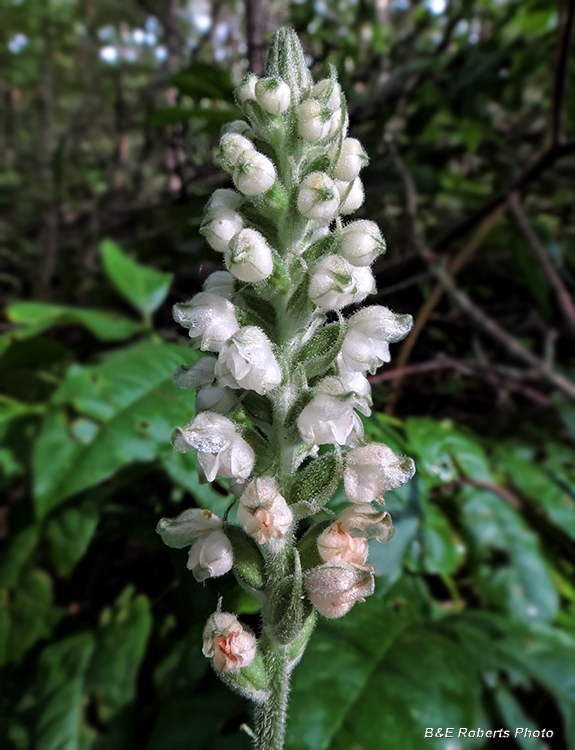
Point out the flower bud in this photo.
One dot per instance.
(318, 197)
(352, 197)
(222, 227)
(237, 126)
(273, 95)
(312, 120)
(232, 146)
(369, 333)
(190, 525)
(211, 320)
(220, 283)
(351, 160)
(372, 470)
(221, 451)
(335, 283)
(254, 173)
(222, 198)
(329, 418)
(264, 513)
(328, 92)
(247, 361)
(335, 587)
(361, 242)
(335, 124)
(364, 518)
(212, 396)
(227, 643)
(336, 543)
(246, 91)
(249, 257)
(211, 556)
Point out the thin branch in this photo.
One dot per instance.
(565, 34)
(565, 299)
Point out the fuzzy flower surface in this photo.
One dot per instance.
(227, 643)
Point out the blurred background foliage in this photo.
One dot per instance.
(109, 119)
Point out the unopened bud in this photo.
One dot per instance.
(328, 92)
(335, 283)
(352, 159)
(361, 242)
(247, 88)
(237, 126)
(254, 173)
(318, 197)
(312, 120)
(352, 195)
(273, 95)
(211, 556)
(247, 361)
(228, 643)
(249, 257)
(232, 146)
(222, 198)
(372, 470)
(222, 227)
(335, 587)
(264, 513)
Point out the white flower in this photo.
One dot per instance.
(329, 418)
(237, 126)
(220, 283)
(190, 525)
(249, 257)
(313, 120)
(247, 361)
(210, 318)
(228, 643)
(224, 224)
(318, 197)
(221, 451)
(212, 396)
(355, 382)
(264, 513)
(211, 556)
(223, 198)
(352, 195)
(232, 146)
(254, 173)
(247, 89)
(351, 160)
(335, 283)
(336, 543)
(273, 95)
(372, 470)
(363, 517)
(328, 92)
(361, 242)
(335, 587)
(369, 333)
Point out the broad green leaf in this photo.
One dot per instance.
(523, 586)
(145, 288)
(63, 667)
(127, 408)
(70, 532)
(342, 656)
(543, 492)
(120, 646)
(437, 548)
(513, 716)
(36, 317)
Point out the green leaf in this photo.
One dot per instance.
(120, 648)
(127, 408)
(523, 586)
(145, 288)
(542, 491)
(202, 80)
(70, 532)
(331, 683)
(248, 560)
(320, 352)
(36, 317)
(314, 485)
(514, 716)
(438, 547)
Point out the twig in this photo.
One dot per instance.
(565, 299)
(565, 35)
(498, 489)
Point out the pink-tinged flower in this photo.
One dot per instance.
(369, 333)
(247, 361)
(211, 556)
(211, 320)
(365, 520)
(221, 450)
(336, 543)
(372, 470)
(333, 588)
(264, 513)
(230, 646)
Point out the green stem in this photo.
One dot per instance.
(271, 716)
